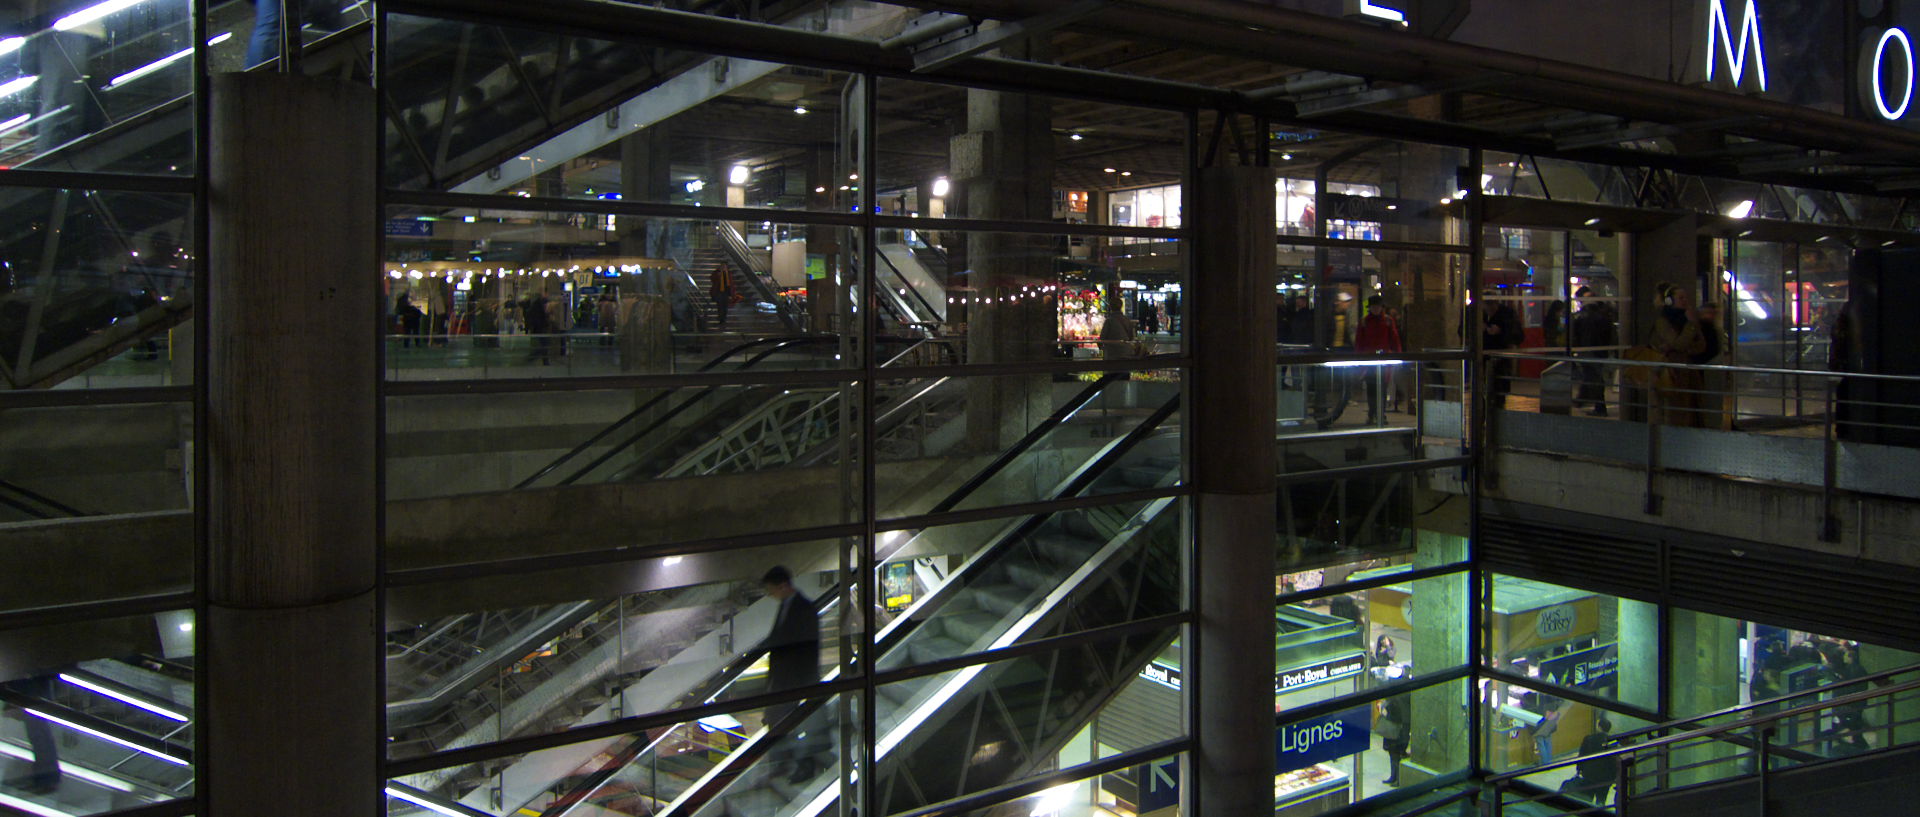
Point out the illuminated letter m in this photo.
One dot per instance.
(1720, 43)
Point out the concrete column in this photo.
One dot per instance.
(1706, 677)
(1638, 631)
(291, 636)
(1440, 642)
(1003, 169)
(1230, 415)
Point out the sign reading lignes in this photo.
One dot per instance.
(1299, 745)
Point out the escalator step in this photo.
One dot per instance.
(933, 649)
(1029, 576)
(969, 628)
(1069, 551)
(999, 600)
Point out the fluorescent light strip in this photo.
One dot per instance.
(163, 62)
(86, 774)
(17, 85)
(8, 126)
(31, 807)
(106, 737)
(124, 698)
(396, 793)
(92, 13)
(11, 44)
(1356, 363)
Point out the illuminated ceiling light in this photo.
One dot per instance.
(800, 109)
(11, 44)
(1286, 157)
(1109, 170)
(1592, 221)
(738, 175)
(1075, 136)
(1446, 201)
(92, 13)
(1741, 210)
(820, 190)
(1126, 172)
(941, 187)
(17, 85)
(1393, 207)
(697, 185)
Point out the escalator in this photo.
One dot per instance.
(119, 732)
(1035, 577)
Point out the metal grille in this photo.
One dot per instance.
(1568, 555)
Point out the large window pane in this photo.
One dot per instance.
(949, 151)
(96, 288)
(476, 294)
(1337, 645)
(1354, 187)
(1598, 644)
(98, 716)
(1370, 749)
(1326, 298)
(699, 632)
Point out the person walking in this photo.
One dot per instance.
(264, 44)
(721, 289)
(1395, 729)
(1677, 338)
(410, 318)
(533, 316)
(1377, 335)
(792, 646)
(1594, 325)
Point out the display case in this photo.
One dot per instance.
(1316, 789)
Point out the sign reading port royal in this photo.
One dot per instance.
(1299, 745)
(1317, 673)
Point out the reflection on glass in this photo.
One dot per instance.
(979, 586)
(71, 71)
(476, 677)
(97, 290)
(961, 443)
(1345, 519)
(621, 296)
(737, 760)
(1326, 298)
(103, 721)
(1362, 189)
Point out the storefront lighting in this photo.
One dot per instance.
(738, 175)
(1741, 210)
(92, 13)
(18, 85)
(941, 186)
(1459, 194)
(1109, 170)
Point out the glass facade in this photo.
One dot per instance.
(769, 431)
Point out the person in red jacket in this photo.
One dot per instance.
(1377, 335)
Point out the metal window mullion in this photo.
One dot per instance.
(869, 505)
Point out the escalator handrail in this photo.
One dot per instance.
(1033, 436)
(630, 416)
(36, 497)
(1881, 678)
(910, 288)
(737, 248)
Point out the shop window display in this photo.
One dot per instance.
(1337, 645)
(1332, 759)
(1592, 643)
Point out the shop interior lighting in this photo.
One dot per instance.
(1053, 800)
(162, 62)
(17, 85)
(941, 186)
(738, 175)
(92, 13)
(123, 698)
(422, 802)
(109, 738)
(1126, 172)
(1741, 210)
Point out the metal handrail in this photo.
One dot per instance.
(1872, 678)
(1706, 367)
(1746, 724)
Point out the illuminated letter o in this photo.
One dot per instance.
(1871, 84)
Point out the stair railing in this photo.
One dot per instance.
(1749, 748)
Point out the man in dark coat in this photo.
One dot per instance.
(793, 660)
(793, 645)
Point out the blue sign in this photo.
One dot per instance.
(410, 227)
(1159, 785)
(1302, 744)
